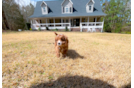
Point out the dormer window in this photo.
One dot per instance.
(67, 6)
(90, 6)
(44, 8)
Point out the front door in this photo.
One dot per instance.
(77, 22)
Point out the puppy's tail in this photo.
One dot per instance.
(55, 33)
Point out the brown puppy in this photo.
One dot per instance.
(61, 44)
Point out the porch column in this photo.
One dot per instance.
(88, 21)
(38, 21)
(69, 20)
(54, 22)
(88, 24)
(31, 23)
(80, 21)
(46, 23)
(80, 25)
(95, 21)
(102, 25)
(72, 22)
(69, 25)
(61, 22)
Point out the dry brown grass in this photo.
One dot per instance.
(28, 60)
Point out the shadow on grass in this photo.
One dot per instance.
(127, 86)
(74, 82)
(73, 54)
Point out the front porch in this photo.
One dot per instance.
(88, 24)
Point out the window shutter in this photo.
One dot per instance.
(70, 9)
(63, 9)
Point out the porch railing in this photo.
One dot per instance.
(91, 25)
(51, 25)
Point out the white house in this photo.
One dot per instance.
(77, 15)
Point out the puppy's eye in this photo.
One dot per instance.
(62, 39)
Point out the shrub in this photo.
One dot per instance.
(56, 29)
(128, 32)
(118, 28)
(39, 29)
(107, 28)
(30, 29)
(66, 29)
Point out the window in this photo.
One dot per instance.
(67, 9)
(44, 9)
(89, 7)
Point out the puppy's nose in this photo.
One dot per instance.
(58, 43)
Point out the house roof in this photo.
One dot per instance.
(89, 1)
(79, 9)
(65, 0)
(43, 3)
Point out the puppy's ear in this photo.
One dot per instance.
(67, 39)
(55, 33)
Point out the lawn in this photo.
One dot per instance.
(95, 60)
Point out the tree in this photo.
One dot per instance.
(12, 14)
(27, 11)
(4, 21)
(118, 14)
(15, 16)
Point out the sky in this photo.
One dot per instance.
(26, 2)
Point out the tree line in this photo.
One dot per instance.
(14, 16)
